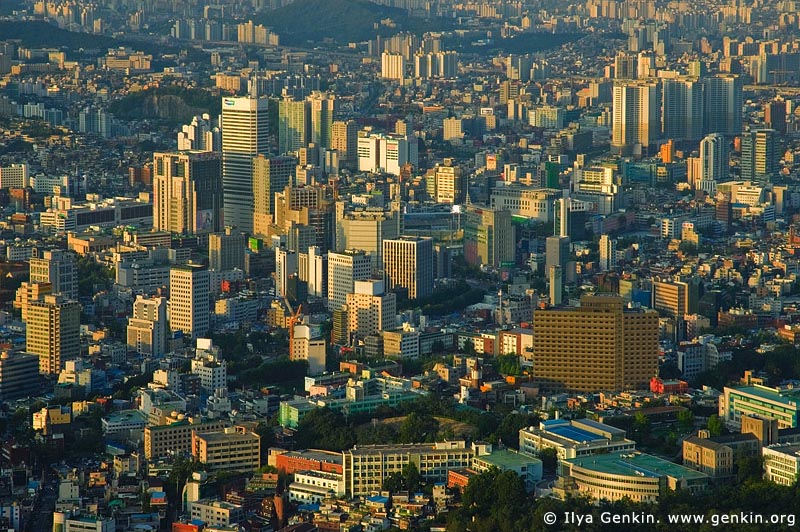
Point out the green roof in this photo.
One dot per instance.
(505, 459)
(635, 463)
(789, 397)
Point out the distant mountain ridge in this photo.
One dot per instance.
(341, 20)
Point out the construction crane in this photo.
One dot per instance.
(294, 317)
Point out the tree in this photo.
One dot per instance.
(686, 420)
(715, 425)
(549, 458)
(323, 428)
(417, 428)
(641, 424)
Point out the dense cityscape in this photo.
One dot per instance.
(363, 266)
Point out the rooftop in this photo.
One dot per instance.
(506, 459)
(635, 463)
(788, 397)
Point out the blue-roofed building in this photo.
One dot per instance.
(574, 438)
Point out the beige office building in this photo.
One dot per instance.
(344, 269)
(233, 449)
(28, 293)
(147, 328)
(53, 332)
(189, 307)
(366, 467)
(408, 263)
(600, 345)
(187, 192)
(370, 309)
(175, 438)
(270, 176)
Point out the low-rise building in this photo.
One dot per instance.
(782, 404)
(234, 449)
(161, 440)
(311, 487)
(216, 513)
(637, 476)
(705, 455)
(782, 463)
(575, 438)
(367, 466)
(528, 467)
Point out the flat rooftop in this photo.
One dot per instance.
(635, 463)
(505, 459)
(787, 397)
(574, 434)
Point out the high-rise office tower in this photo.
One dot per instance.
(189, 303)
(555, 278)
(635, 123)
(682, 117)
(317, 272)
(600, 345)
(366, 231)
(306, 216)
(557, 253)
(448, 184)
(626, 65)
(29, 292)
(270, 176)
(775, 115)
(608, 253)
(344, 269)
(53, 332)
(226, 250)
(344, 139)
(758, 156)
(294, 125)
(714, 166)
(187, 192)
(488, 236)
(370, 308)
(148, 328)
(408, 263)
(286, 265)
(245, 134)
(323, 106)
(56, 267)
(723, 104)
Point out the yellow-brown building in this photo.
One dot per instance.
(600, 345)
(710, 457)
(234, 449)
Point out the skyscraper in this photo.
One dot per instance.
(187, 192)
(714, 165)
(370, 308)
(636, 125)
(775, 115)
(408, 263)
(323, 106)
(245, 134)
(53, 332)
(488, 236)
(344, 269)
(148, 328)
(189, 306)
(598, 346)
(758, 156)
(626, 65)
(723, 104)
(344, 139)
(270, 176)
(682, 108)
(555, 278)
(317, 272)
(226, 250)
(608, 253)
(294, 125)
(286, 265)
(56, 267)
